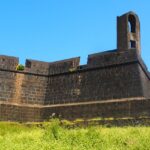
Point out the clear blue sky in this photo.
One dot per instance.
(51, 30)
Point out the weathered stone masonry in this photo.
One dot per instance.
(112, 84)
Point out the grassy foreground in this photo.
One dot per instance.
(52, 136)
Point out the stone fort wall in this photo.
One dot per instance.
(112, 84)
(107, 76)
(111, 75)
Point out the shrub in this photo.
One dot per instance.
(20, 67)
(52, 129)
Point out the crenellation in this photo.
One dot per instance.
(37, 67)
(63, 66)
(8, 62)
(112, 58)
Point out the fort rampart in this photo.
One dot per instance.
(112, 84)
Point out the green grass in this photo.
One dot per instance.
(52, 136)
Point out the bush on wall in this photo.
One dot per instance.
(20, 67)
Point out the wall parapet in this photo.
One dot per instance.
(36, 67)
(67, 65)
(111, 58)
(98, 60)
(8, 62)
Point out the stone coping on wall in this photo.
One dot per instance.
(73, 104)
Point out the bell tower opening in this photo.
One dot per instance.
(132, 24)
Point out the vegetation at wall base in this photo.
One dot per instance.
(53, 136)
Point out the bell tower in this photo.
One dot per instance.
(128, 32)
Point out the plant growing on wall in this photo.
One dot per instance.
(72, 69)
(20, 67)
